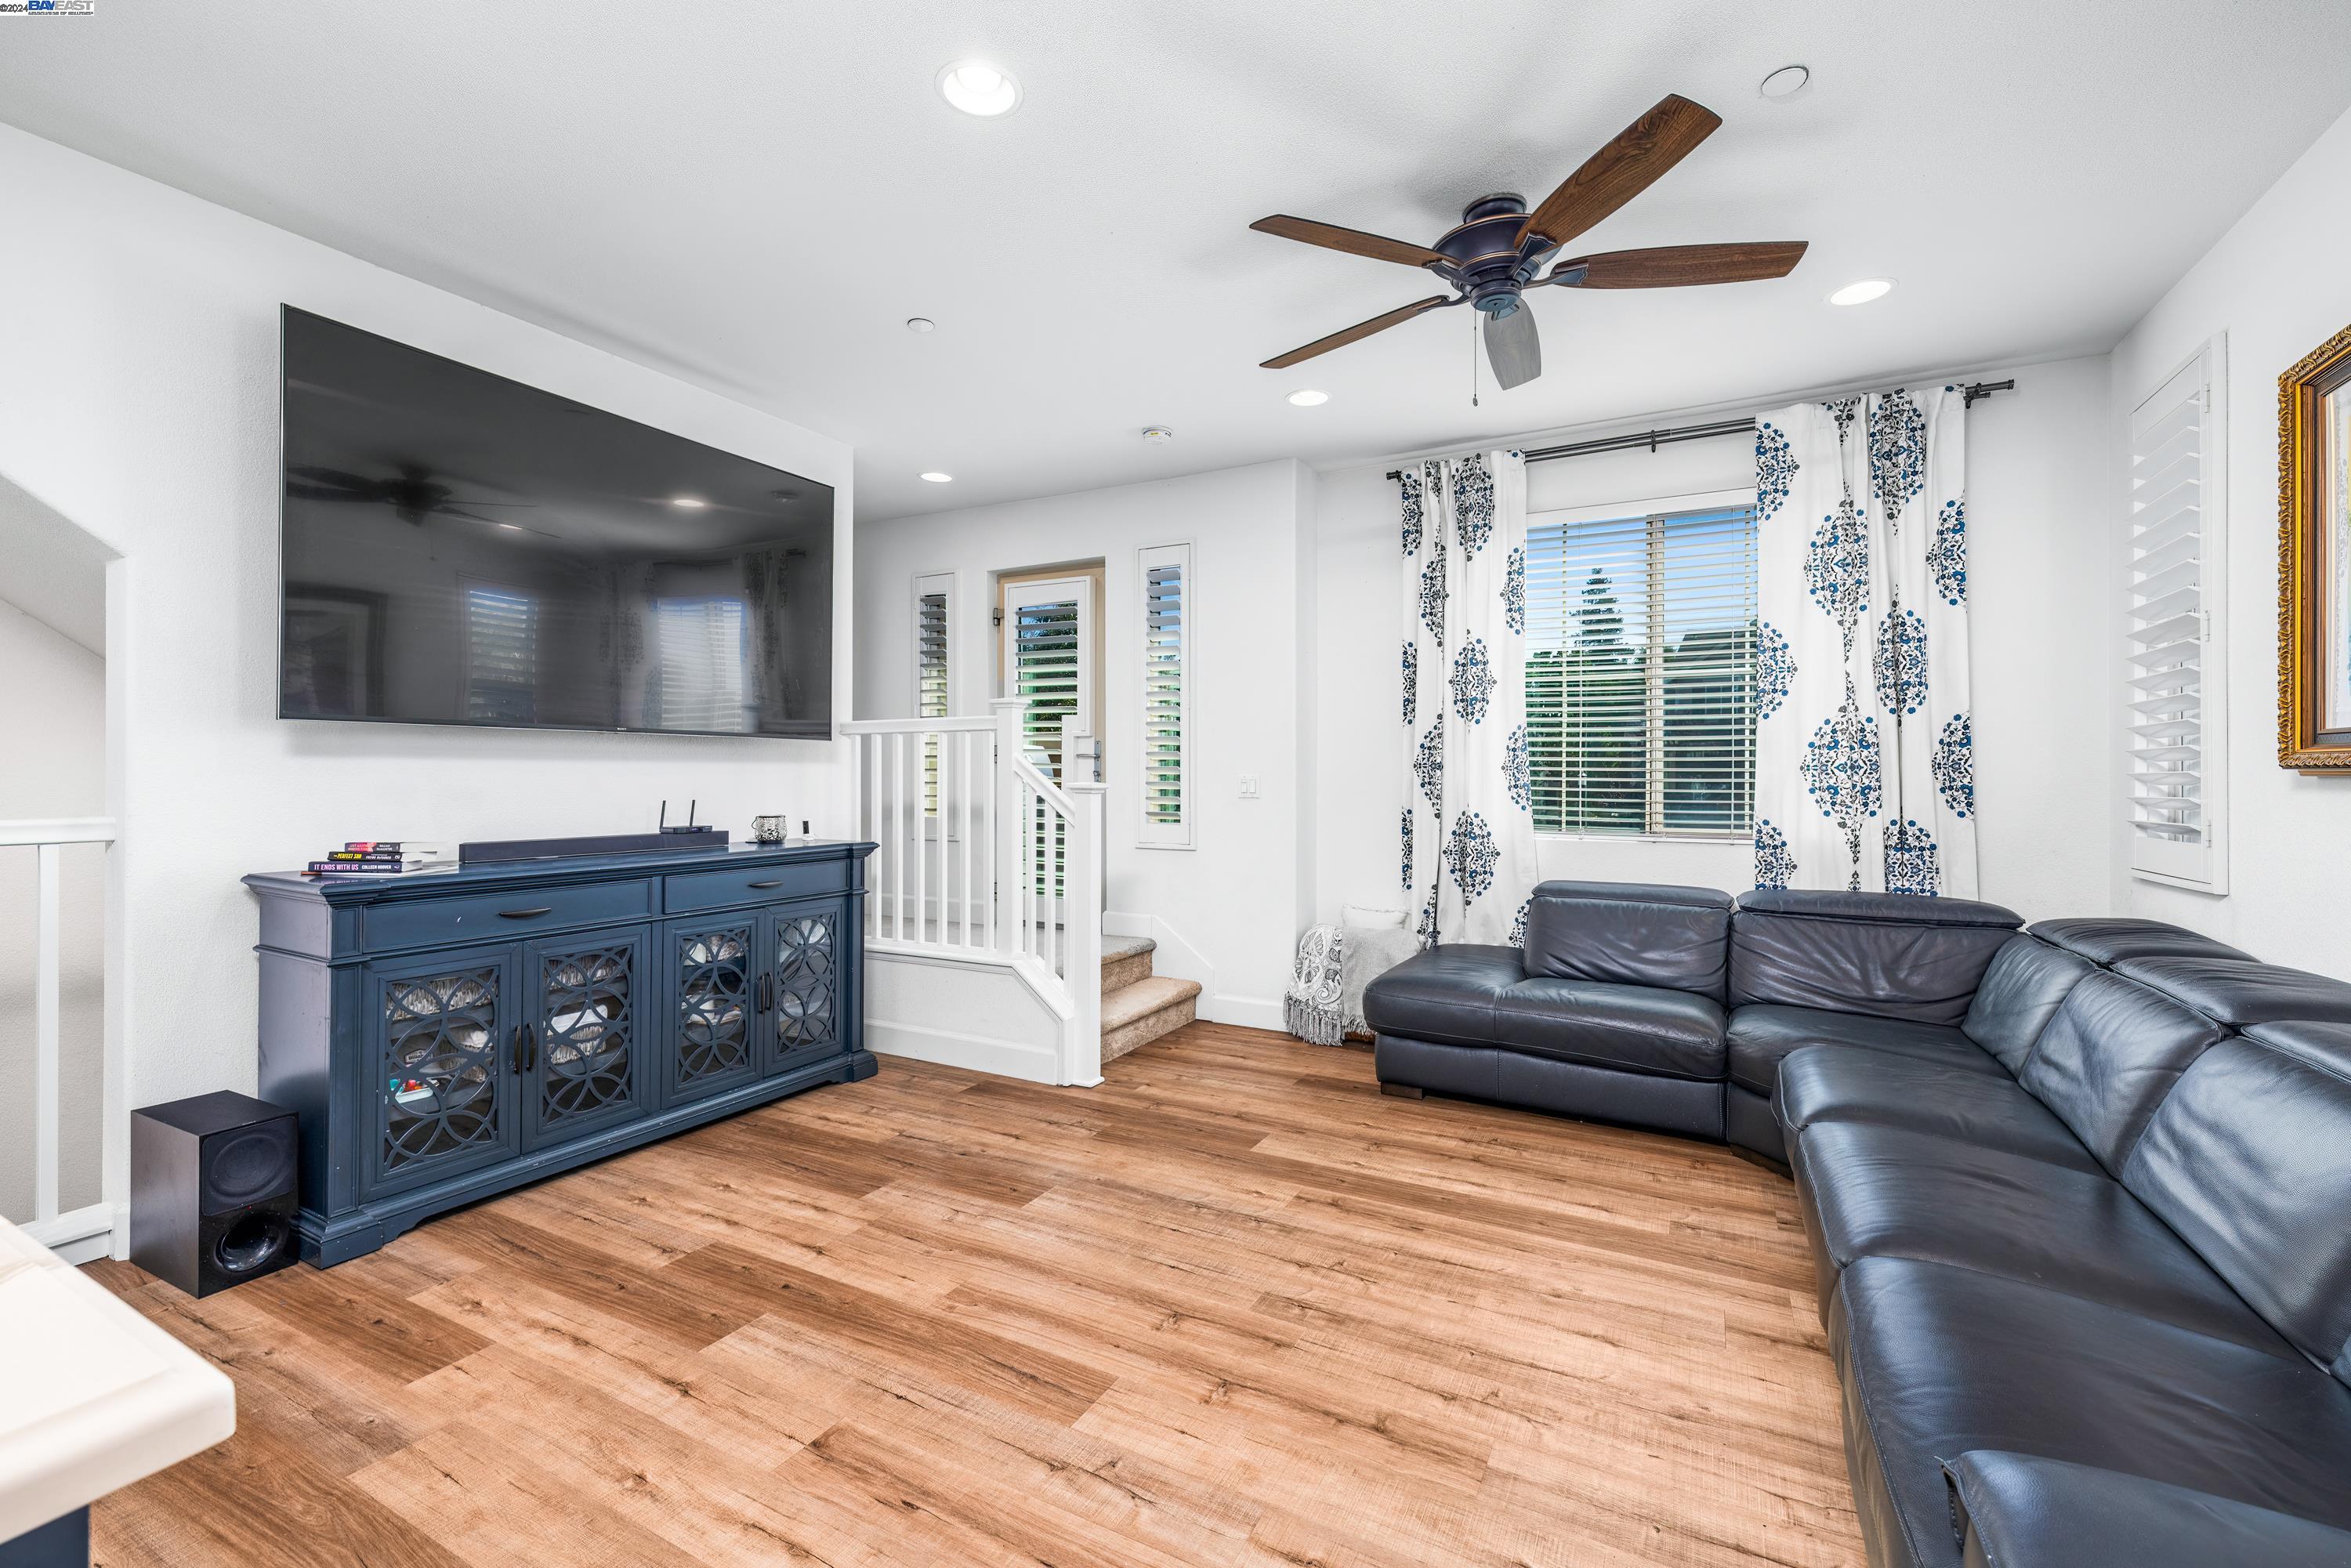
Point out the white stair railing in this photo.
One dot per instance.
(46, 838)
(984, 856)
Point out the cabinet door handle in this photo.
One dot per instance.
(778, 882)
(526, 913)
(518, 1051)
(530, 1048)
(766, 993)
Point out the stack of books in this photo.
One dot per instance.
(385, 857)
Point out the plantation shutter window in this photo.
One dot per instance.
(1641, 633)
(2172, 781)
(933, 595)
(1049, 664)
(1166, 577)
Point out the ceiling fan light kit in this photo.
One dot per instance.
(1492, 257)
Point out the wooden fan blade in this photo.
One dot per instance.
(1354, 242)
(1679, 265)
(1621, 171)
(1359, 331)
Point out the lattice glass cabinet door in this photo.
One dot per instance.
(803, 1000)
(714, 964)
(441, 1033)
(581, 1060)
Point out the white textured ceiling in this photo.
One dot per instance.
(757, 195)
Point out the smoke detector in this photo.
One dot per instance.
(1157, 436)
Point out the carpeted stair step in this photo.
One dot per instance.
(1140, 1013)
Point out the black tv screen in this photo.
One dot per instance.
(457, 547)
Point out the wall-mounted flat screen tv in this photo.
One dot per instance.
(457, 547)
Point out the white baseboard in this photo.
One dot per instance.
(1250, 1012)
(1006, 1058)
(80, 1235)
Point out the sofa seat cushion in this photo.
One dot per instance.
(1760, 1035)
(1887, 1192)
(1950, 1097)
(1635, 1029)
(1445, 993)
(1938, 1360)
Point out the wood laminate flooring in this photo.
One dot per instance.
(1232, 1308)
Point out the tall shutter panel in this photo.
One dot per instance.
(1045, 653)
(1640, 672)
(2172, 688)
(1166, 573)
(931, 690)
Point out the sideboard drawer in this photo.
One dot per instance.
(752, 885)
(431, 922)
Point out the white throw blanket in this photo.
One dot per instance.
(1324, 1001)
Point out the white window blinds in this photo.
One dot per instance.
(501, 655)
(932, 698)
(1640, 672)
(1046, 654)
(698, 686)
(2172, 689)
(1166, 575)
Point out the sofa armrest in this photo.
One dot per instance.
(2016, 1511)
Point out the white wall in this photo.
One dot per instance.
(52, 763)
(2036, 468)
(138, 398)
(2276, 284)
(1237, 898)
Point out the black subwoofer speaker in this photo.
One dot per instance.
(213, 1191)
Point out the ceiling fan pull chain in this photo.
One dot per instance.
(1473, 359)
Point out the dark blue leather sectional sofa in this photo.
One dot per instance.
(2079, 1197)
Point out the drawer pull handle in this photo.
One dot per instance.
(526, 913)
(778, 882)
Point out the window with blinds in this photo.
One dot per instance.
(932, 698)
(2172, 687)
(1166, 575)
(501, 655)
(1047, 642)
(1640, 672)
(699, 682)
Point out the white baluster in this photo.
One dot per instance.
(47, 958)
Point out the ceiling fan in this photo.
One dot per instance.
(413, 493)
(1492, 257)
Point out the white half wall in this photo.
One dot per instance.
(2037, 505)
(2276, 284)
(52, 763)
(138, 398)
(1237, 898)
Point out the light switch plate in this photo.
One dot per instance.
(1249, 786)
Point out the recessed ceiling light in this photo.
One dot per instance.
(1307, 397)
(1863, 291)
(688, 503)
(936, 478)
(1786, 82)
(1157, 434)
(919, 323)
(978, 88)
(512, 527)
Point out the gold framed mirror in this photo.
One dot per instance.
(2314, 560)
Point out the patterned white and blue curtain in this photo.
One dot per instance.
(1865, 769)
(1468, 850)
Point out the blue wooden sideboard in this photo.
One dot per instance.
(445, 1036)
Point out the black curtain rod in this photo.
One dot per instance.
(1653, 439)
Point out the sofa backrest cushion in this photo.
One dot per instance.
(2240, 991)
(2021, 991)
(2248, 1159)
(1891, 954)
(2109, 1056)
(2110, 940)
(1630, 934)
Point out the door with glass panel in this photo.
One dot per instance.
(1050, 658)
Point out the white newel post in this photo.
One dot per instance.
(1006, 809)
(1082, 913)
